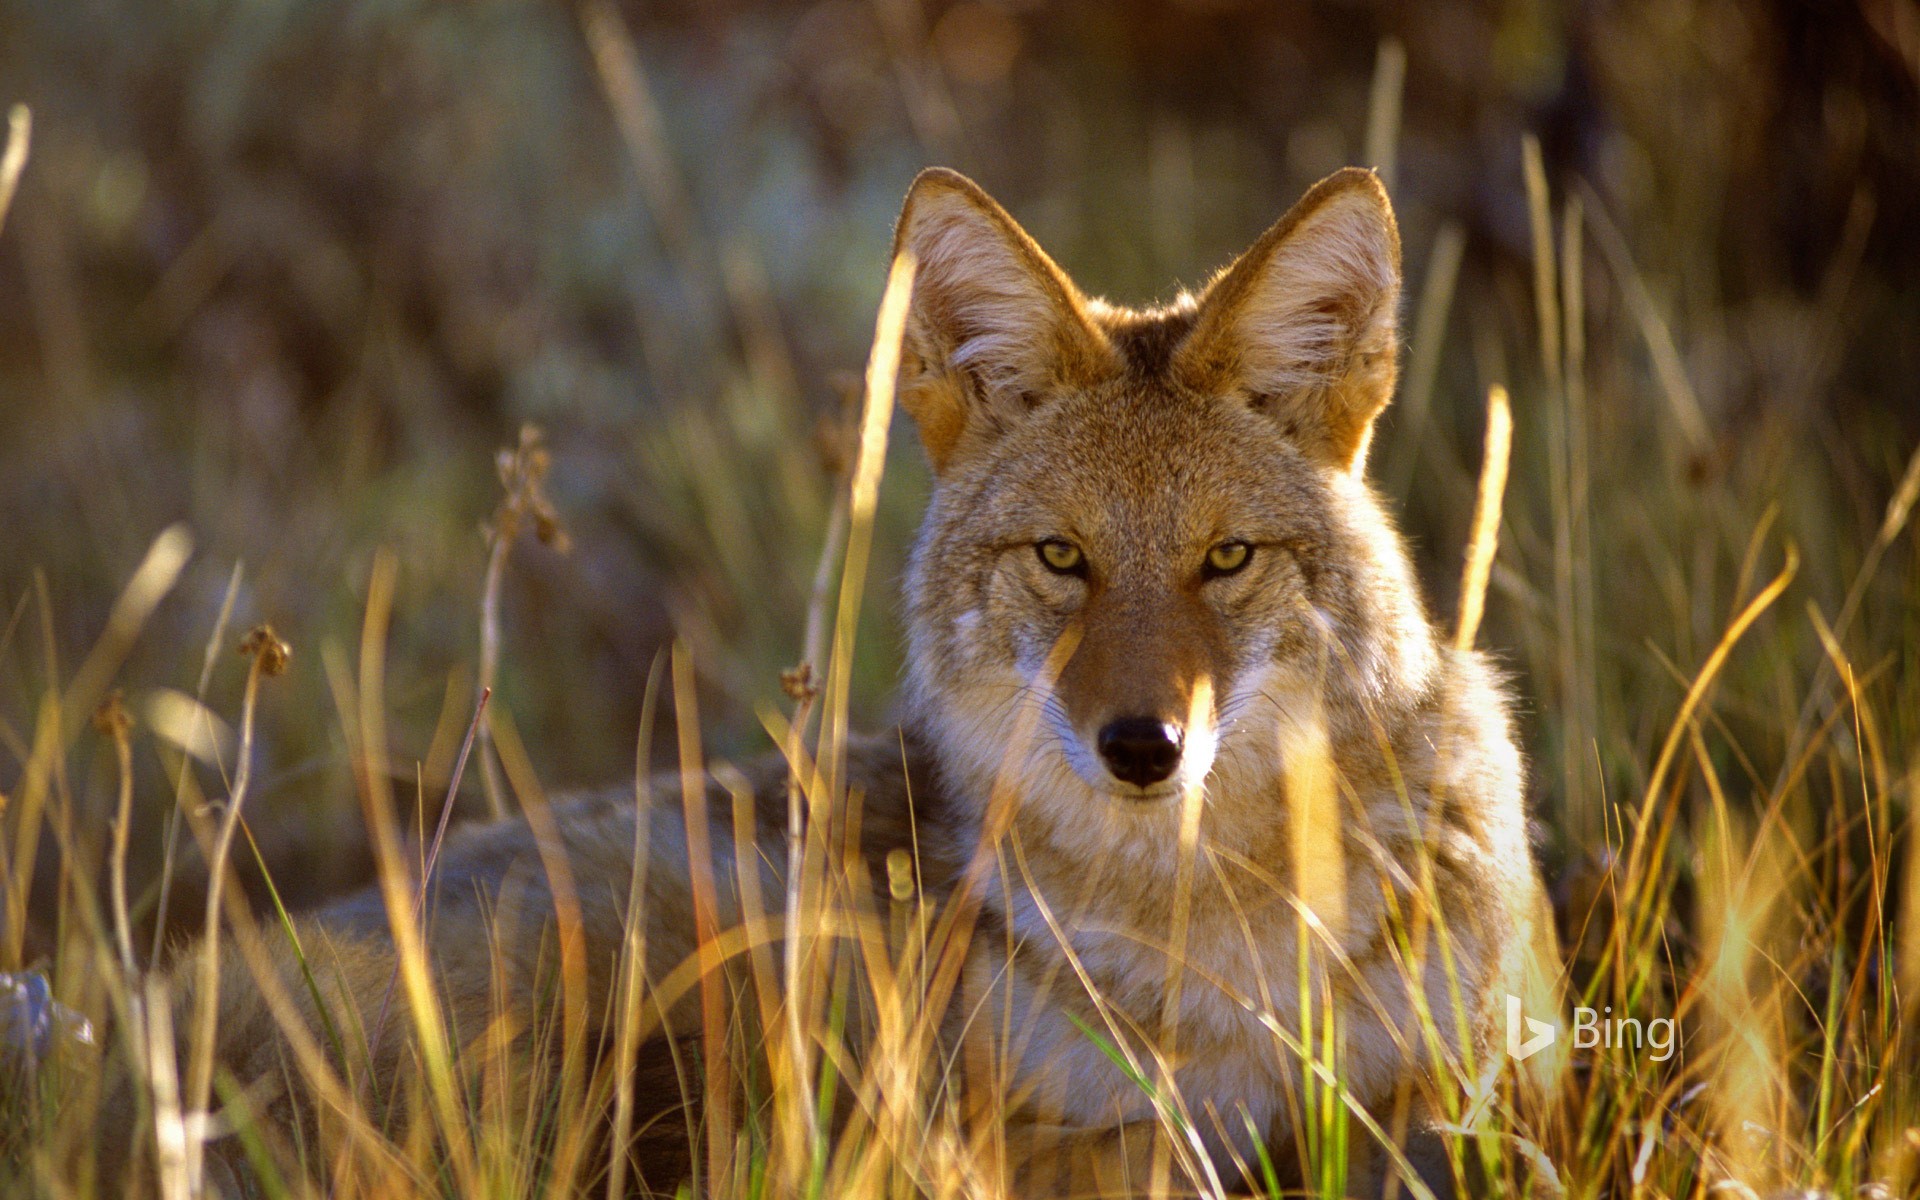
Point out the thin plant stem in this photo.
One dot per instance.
(267, 656)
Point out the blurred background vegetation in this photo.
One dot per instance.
(291, 273)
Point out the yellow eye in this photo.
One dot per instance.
(1062, 558)
(1228, 557)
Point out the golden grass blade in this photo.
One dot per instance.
(1898, 511)
(433, 854)
(158, 571)
(1716, 660)
(1192, 802)
(1900, 505)
(795, 1066)
(1546, 291)
(633, 961)
(807, 861)
(706, 924)
(733, 941)
(1907, 928)
(1409, 1176)
(1710, 670)
(1383, 108)
(870, 460)
(746, 871)
(367, 740)
(569, 929)
(13, 160)
(1486, 517)
(1314, 821)
(1745, 880)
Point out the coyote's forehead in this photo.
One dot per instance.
(1139, 469)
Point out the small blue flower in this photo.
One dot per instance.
(33, 1023)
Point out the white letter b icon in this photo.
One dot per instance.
(1540, 1033)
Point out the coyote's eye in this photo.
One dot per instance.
(1062, 558)
(1226, 558)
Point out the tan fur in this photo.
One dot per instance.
(1355, 779)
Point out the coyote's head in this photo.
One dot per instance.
(1149, 533)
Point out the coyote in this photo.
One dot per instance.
(1245, 815)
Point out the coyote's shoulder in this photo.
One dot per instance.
(1178, 738)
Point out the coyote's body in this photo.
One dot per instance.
(1169, 681)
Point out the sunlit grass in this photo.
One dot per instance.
(1730, 845)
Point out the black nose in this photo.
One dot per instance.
(1141, 750)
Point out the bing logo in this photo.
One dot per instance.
(1527, 1037)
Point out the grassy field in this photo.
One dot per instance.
(265, 371)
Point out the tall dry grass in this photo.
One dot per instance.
(1727, 812)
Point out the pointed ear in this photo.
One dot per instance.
(994, 326)
(1304, 325)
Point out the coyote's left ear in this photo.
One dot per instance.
(994, 327)
(1303, 325)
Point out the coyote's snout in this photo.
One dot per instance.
(1144, 656)
(1181, 747)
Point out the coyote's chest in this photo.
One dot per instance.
(1222, 1008)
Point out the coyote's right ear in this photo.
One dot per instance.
(994, 326)
(1303, 326)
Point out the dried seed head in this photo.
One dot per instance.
(265, 647)
(523, 474)
(797, 682)
(111, 718)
